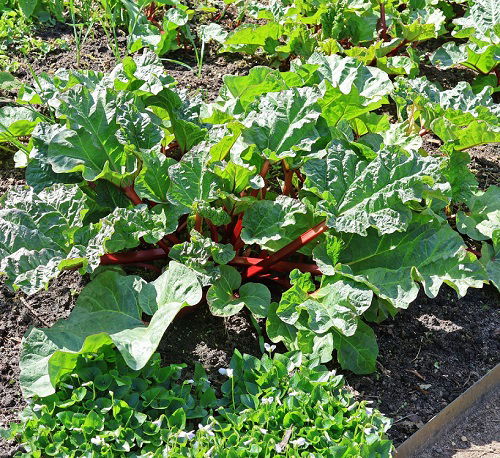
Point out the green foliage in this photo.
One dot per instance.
(272, 405)
(280, 165)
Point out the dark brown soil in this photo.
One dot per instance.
(15, 319)
(430, 354)
(96, 54)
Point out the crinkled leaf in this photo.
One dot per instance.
(484, 215)
(37, 231)
(272, 224)
(358, 195)
(91, 146)
(429, 251)
(17, 122)
(192, 181)
(187, 133)
(153, 182)
(202, 254)
(284, 122)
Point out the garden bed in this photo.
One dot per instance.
(429, 354)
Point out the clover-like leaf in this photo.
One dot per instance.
(224, 301)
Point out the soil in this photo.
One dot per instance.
(429, 355)
(96, 54)
(477, 435)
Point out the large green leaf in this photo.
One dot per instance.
(44, 232)
(187, 132)
(192, 182)
(284, 122)
(456, 115)
(481, 20)
(39, 173)
(37, 230)
(484, 216)
(17, 122)
(363, 84)
(153, 182)
(274, 223)
(429, 252)
(202, 255)
(357, 194)
(479, 58)
(91, 146)
(490, 259)
(337, 305)
(108, 310)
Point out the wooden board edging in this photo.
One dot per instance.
(440, 424)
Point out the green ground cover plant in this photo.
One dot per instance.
(272, 406)
(288, 196)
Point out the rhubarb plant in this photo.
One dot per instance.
(288, 197)
(480, 26)
(377, 32)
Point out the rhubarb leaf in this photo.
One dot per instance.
(490, 259)
(187, 133)
(17, 122)
(202, 255)
(358, 195)
(484, 216)
(357, 353)
(37, 231)
(153, 182)
(284, 123)
(192, 182)
(108, 310)
(272, 224)
(91, 146)
(429, 251)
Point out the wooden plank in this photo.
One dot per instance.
(439, 425)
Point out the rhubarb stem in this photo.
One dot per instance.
(287, 187)
(263, 173)
(291, 248)
(383, 23)
(280, 266)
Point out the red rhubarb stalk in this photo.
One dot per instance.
(281, 266)
(287, 187)
(133, 257)
(129, 191)
(383, 23)
(281, 281)
(236, 235)
(263, 173)
(198, 221)
(287, 250)
(213, 231)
